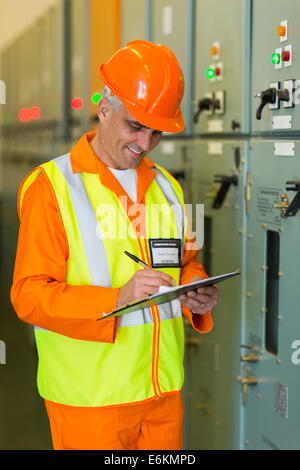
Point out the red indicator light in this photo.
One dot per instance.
(24, 115)
(35, 112)
(285, 56)
(77, 103)
(218, 71)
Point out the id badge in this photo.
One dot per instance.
(165, 252)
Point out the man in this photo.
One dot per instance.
(115, 383)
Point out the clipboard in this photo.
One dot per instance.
(169, 294)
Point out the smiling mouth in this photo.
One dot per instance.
(135, 152)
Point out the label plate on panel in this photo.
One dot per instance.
(167, 20)
(284, 149)
(215, 125)
(215, 148)
(266, 198)
(282, 122)
(168, 148)
(281, 400)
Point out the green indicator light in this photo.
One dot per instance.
(276, 58)
(96, 98)
(210, 73)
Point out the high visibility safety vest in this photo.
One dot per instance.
(146, 359)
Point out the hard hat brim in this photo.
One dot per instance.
(156, 122)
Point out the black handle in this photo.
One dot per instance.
(206, 104)
(294, 206)
(225, 181)
(267, 96)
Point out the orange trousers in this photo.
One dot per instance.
(151, 425)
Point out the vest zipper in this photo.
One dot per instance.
(156, 331)
(156, 336)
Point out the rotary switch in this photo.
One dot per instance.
(269, 97)
(206, 104)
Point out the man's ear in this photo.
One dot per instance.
(104, 109)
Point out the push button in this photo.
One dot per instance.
(285, 56)
(281, 30)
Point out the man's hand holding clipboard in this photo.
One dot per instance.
(200, 300)
(152, 287)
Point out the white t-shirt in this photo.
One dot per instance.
(128, 180)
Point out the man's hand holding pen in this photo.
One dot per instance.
(144, 282)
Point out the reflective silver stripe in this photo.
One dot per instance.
(166, 311)
(87, 222)
(170, 310)
(172, 199)
(138, 317)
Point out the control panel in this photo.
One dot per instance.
(222, 67)
(275, 72)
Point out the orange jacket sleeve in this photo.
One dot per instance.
(39, 293)
(190, 268)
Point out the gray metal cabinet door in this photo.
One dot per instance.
(222, 66)
(270, 386)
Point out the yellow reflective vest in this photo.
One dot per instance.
(146, 359)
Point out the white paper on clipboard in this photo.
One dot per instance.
(168, 295)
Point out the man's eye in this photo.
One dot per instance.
(157, 132)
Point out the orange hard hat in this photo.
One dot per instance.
(148, 80)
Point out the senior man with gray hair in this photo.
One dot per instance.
(113, 384)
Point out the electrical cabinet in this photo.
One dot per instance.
(275, 71)
(222, 67)
(270, 355)
(133, 20)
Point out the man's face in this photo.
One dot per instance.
(124, 142)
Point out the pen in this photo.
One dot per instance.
(137, 260)
(141, 263)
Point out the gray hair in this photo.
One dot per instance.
(114, 101)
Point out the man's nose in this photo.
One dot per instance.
(145, 139)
